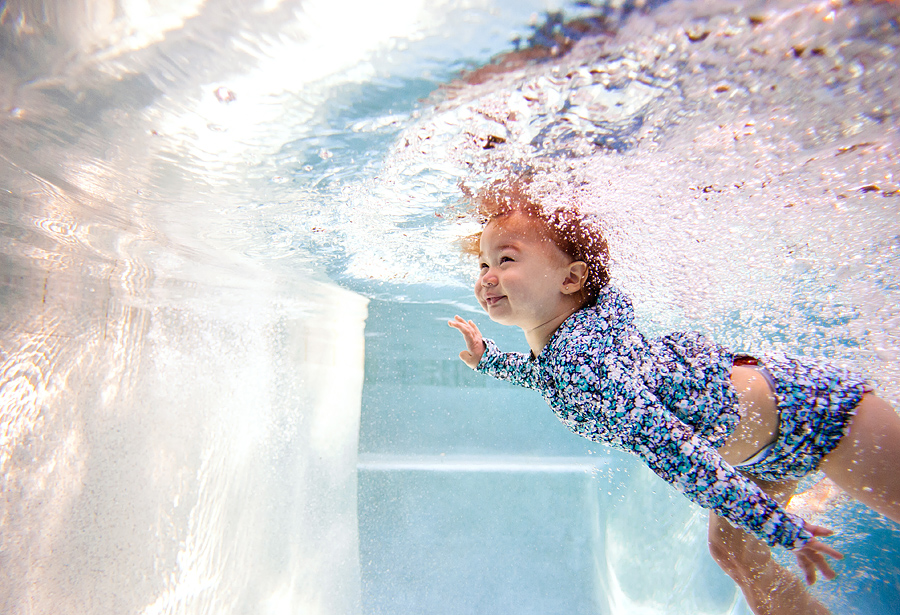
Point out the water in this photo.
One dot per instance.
(203, 201)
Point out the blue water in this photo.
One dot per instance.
(229, 252)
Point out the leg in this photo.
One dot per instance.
(866, 463)
(768, 587)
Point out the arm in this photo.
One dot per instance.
(484, 355)
(631, 417)
(672, 450)
(707, 479)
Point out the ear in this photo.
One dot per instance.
(575, 278)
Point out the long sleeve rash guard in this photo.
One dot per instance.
(668, 400)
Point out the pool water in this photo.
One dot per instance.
(230, 247)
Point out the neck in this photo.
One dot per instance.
(539, 336)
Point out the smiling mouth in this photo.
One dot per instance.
(493, 300)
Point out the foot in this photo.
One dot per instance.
(822, 496)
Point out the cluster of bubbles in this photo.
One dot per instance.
(741, 159)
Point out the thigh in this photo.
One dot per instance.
(736, 552)
(866, 462)
(732, 545)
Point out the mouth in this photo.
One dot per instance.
(490, 301)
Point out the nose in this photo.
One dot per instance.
(488, 279)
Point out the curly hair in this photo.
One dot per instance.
(575, 233)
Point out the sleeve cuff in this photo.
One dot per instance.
(791, 533)
(491, 353)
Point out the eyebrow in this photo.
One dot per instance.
(507, 246)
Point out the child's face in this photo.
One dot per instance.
(522, 273)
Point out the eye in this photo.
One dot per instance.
(484, 266)
(506, 259)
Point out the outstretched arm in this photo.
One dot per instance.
(687, 462)
(471, 356)
(627, 415)
(483, 355)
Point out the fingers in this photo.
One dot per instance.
(816, 563)
(471, 356)
(811, 559)
(468, 328)
(462, 325)
(808, 568)
(821, 547)
(818, 530)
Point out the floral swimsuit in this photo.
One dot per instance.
(669, 400)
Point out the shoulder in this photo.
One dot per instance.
(599, 324)
(581, 333)
(591, 328)
(611, 313)
(577, 354)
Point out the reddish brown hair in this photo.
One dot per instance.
(578, 235)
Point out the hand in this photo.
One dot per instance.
(471, 356)
(811, 556)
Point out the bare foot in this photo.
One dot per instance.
(822, 496)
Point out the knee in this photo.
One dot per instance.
(735, 557)
(723, 556)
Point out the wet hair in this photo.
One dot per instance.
(575, 233)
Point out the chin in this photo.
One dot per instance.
(501, 319)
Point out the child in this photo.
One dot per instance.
(732, 432)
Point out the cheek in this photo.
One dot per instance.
(478, 290)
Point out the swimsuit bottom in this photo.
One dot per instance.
(816, 402)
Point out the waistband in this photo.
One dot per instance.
(745, 360)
